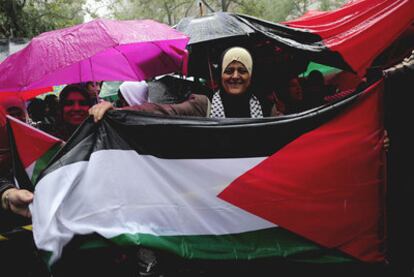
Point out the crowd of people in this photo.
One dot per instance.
(236, 97)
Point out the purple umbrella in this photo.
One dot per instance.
(98, 50)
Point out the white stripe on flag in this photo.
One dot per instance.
(121, 192)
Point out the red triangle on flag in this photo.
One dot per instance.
(31, 143)
(327, 185)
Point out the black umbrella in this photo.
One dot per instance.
(213, 27)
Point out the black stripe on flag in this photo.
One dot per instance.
(190, 137)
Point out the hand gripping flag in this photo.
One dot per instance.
(297, 187)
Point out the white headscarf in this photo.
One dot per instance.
(237, 54)
(134, 93)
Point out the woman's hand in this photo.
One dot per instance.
(17, 201)
(99, 110)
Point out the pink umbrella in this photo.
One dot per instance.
(98, 50)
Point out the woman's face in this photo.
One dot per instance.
(75, 108)
(235, 79)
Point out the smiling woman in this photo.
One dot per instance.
(235, 99)
(74, 104)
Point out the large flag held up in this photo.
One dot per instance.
(223, 188)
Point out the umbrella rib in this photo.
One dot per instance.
(131, 65)
(91, 67)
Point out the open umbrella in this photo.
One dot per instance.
(98, 50)
(213, 27)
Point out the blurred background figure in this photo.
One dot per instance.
(132, 93)
(51, 108)
(36, 110)
(315, 89)
(93, 89)
(290, 96)
(14, 106)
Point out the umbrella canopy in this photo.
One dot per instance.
(98, 50)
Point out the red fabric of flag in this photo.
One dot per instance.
(328, 184)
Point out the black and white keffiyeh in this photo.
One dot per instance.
(217, 108)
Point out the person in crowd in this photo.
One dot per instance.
(290, 95)
(74, 105)
(132, 93)
(315, 89)
(51, 109)
(14, 210)
(20, 254)
(15, 107)
(235, 98)
(37, 110)
(93, 89)
(12, 199)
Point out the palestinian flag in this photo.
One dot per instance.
(31, 150)
(309, 186)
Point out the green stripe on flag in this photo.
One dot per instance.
(42, 162)
(273, 242)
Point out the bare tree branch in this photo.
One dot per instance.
(208, 6)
